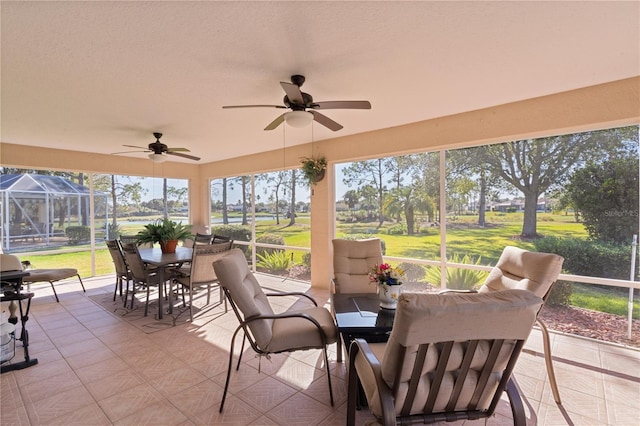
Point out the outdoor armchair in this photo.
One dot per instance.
(266, 331)
(532, 271)
(352, 262)
(448, 358)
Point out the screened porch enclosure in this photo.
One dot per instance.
(36, 210)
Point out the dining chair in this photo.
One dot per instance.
(535, 272)
(122, 270)
(266, 331)
(220, 238)
(201, 273)
(352, 262)
(141, 273)
(202, 238)
(448, 358)
(133, 239)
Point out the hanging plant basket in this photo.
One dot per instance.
(314, 168)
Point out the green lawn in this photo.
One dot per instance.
(463, 237)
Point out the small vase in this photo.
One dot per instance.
(169, 246)
(388, 295)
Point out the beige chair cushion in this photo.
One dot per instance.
(525, 270)
(38, 275)
(352, 262)
(432, 318)
(9, 262)
(293, 333)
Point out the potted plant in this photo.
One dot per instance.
(165, 232)
(314, 168)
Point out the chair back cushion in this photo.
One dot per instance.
(526, 270)
(202, 261)
(245, 293)
(9, 262)
(352, 262)
(431, 319)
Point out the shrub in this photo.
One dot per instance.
(78, 234)
(413, 272)
(458, 278)
(114, 231)
(560, 293)
(364, 237)
(277, 261)
(587, 257)
(236, 233)
(306, 259)
(397, 229)
(269, 239)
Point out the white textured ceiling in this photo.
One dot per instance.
(92, 76)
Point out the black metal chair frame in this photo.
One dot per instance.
(244, 326)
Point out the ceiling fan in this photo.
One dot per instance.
(158, 150)
(303, 108)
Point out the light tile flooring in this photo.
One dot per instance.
(94, 368)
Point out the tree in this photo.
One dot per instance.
(121, 193)
(370, 173)
(222, 204)
(427, 176)
(292, 203)
(606, 195)
(533, 166)
(407, 201)
(275, 183)
(351, 199)
(473, 162)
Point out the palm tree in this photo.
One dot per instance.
(407, 201)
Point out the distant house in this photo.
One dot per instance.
(516, 205)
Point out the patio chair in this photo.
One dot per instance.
(266, 331)
(199, 235)
(202, 238)
(51, 276)
(201, 273)
(133, 239)
(220, 238)
(141, 273)
(352, 262)
(122, 270)
(447, 359)
(533, 271)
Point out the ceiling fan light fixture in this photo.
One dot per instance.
(157, 158)
(298, 118)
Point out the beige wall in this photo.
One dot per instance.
(606, 105)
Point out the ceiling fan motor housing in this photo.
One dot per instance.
(306, 98)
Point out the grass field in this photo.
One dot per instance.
(463, 237)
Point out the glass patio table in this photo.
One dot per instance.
(359, 315)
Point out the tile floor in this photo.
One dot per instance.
(95, 368)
